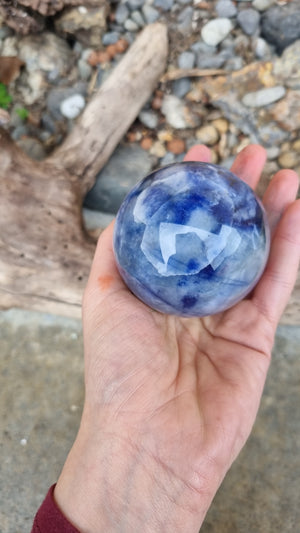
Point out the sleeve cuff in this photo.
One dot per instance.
(49, 518)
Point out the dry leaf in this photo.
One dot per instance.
(9, 69)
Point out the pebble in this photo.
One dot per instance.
(110, 37)
(186, 60)
(136, 16)
(181, 87)
(207, 135)
(288, 159)
(158, 149)
(176, 146)
(146, 143)
(135, 4)
(221, 125)
(121, 14)
(72, 106)
(84, 69)
(226, 9)
(150, 14)
(296, 145)
(130, 25)
(215, 31)
(264, 97)
(262, 5)
(174, 110)
(249, 20)
(185, 19)
(281, 25)
(165, 5)
(149, 119)
(262, 49)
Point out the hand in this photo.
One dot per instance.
(169, 401)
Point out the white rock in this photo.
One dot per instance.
(262, 5)
(264, 96)
(215, 31)
(174, 111)
(72, 106)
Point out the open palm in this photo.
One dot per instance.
(175, 397)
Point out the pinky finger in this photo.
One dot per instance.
(273, 291)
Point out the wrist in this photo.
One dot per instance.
(110, 484)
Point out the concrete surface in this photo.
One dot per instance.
(41, 395)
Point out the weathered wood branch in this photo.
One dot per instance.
(114, 107)
(45, 255)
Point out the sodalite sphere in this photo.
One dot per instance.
(191, 239)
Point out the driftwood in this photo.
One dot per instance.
(45, 254)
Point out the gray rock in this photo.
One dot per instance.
(264, 97)
(150, 14)
(262, 49)
(248, 20)
(186, 60)
(125, 168)
(135, 4)
(215, 31)
(149, 119)
(281, 25)
(213, 61)
(48, 123)
(85, 70)
(185, 19)
(226, 9)
(181, 87)
(72, 106)
(137, 17)
(121, 14)
(165, 5)
(130, 25)
(110, 37)
(199, 47)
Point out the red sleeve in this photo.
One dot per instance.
(49, 519)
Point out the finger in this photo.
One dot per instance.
(276, 284)
(199, 152)
(249, 164)
(280, 193)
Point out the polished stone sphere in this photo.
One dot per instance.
(191, 239)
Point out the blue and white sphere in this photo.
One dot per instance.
(191, 239)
